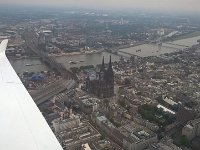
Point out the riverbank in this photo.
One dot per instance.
(189, 35)
(76, 53)
(22, 57)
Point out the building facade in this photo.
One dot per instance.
(192, 129)
(101, 83)
(68, 123)
(139, 141)
(89, 105)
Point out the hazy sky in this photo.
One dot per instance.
(170, 5)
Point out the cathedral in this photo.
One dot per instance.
(101, 83)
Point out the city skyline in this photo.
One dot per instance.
(191, 6)
(101, 78)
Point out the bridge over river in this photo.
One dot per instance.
(31, 39)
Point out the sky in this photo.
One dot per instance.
(160, 5)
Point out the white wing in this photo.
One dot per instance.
(22, 126)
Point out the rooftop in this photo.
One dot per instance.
(165, 109)
(105, 121)
(89, 101)
(86, 147)
(83, 132)
(72, 117)
(136, 133)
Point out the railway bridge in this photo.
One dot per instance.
(32, 43)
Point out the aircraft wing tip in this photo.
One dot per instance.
(3, 46)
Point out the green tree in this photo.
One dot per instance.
(127, 81)
(25, 74)
(74, 69)
(122, 103)
(185, 141)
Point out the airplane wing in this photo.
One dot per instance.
(22, 126)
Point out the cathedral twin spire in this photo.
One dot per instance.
(103, 86)
(106, 73)
(103, 65)
(110, 64)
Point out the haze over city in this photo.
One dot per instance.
(100, 75)
(156, 5)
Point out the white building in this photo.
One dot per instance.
(166, 109)
(85, 147)
(170, 101)
(68, 123)
(89, 105)
(139, 140)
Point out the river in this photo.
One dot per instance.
(187, 42)
(20, 65)
(146, 50)
(86, 59)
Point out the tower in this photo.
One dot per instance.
(102, 71)
(102, 65)
(110, 74)
(110, 79)
(102, 87)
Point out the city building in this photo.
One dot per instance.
(166, 109)
(89, 105)
(192, 129)
(72, 139)
(65, 122)
(85, 147)
(135, 137)
(165, 144)
(138, 140)
(102, 122)
(105, 144)
(101, 83)
(184, 115)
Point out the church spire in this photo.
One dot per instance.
(103, 65)
(110, 73)
(110, 63)
(103, 61)
(110, 69)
